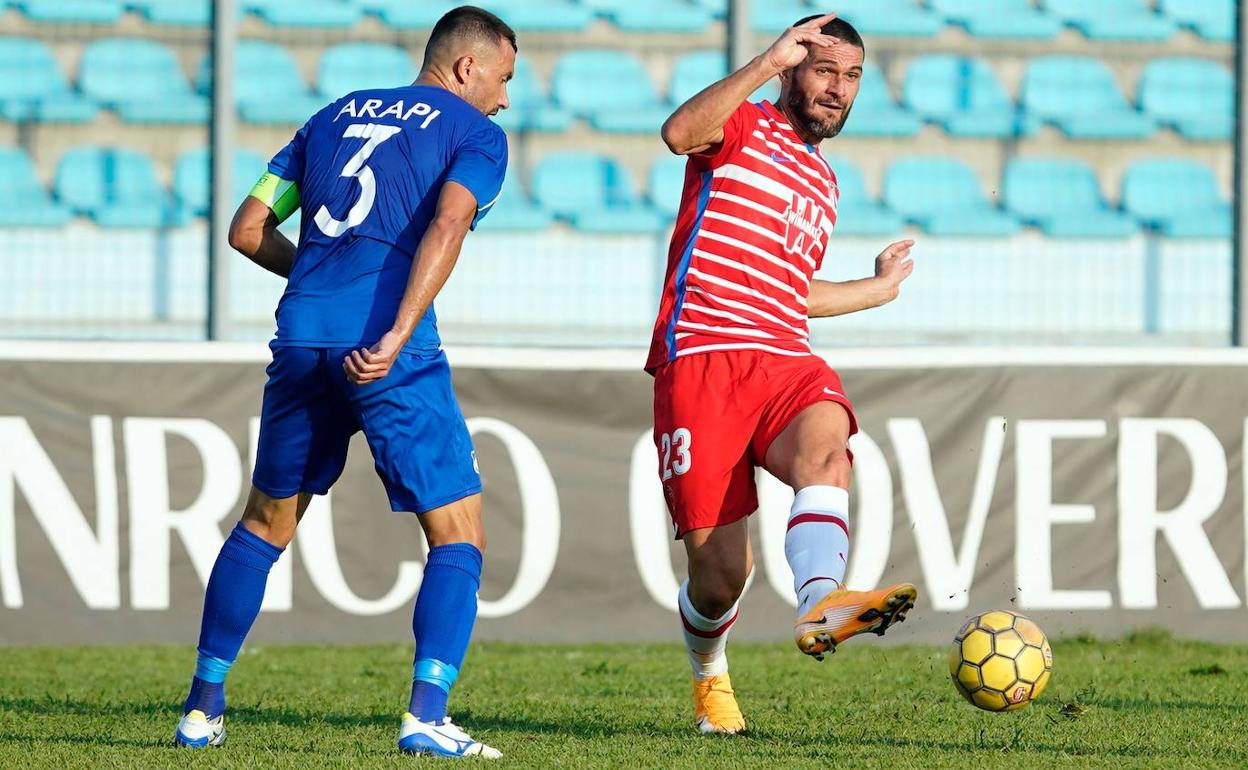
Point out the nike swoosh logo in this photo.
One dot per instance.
(831, 392)
(777, 157)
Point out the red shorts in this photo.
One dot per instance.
(715, 415)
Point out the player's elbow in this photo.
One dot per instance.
(244, 239)
(676, 135)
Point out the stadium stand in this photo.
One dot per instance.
(531, 109)
(183, 13)
(32, 86)
(593, 192)
(115, 187)
(666, 183)
(889, 18)
(962, 95)
(82, 11)
(630, 104)
(856, 213)
(1113, 19)
(1211, 19)
(999, 18)
(875, 111)
(347, 67)
(190, 180)
(1178, 197)
(944, 197)
(23, 201)
(269, 88)
(1080, 96)
(141, 80)
(1195, 96)
(1063, 199)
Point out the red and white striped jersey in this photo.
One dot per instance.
(752, 227)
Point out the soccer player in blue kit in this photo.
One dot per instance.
(390, 181)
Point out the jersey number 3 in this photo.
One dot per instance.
(679, 441)
(373, 134)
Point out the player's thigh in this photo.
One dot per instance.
(803, 436)
(305, 426)
(702, 436)
(420, 443)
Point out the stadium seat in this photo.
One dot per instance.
(1178, 197)
(268, 89)
(875, 112)
(187, 13)
(404, 14)
(666, 184)
(888, 18)
(72, 11)
(1080, 96)
(514, 211)
(944, 197)
(1113, 19)
(304, 13)
(653, 15)
(856, 213)
(142, 80)
(694, 71)
(115, 187)
(190, 180)
(542, 15)
(774, 16)
(609, 88)
(1196, 96)
(350, 67)
(32, 86)
(1211, 19)
(23, 201)
(962, 95)
(531, 109)
(1063, 199)
(999, 18)
(592, 192)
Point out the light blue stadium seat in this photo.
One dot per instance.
(1211, 19)
(856, 212)
(191, 190)
(999, 18)
(694, 71)
(304, 13)
(609, 88)
(350, 67)
(185, 13)
(963, 95)
(655, 15)
(404, 14)
(875, 111)
(115, 187)
(32, 86)
(944, 197)
(592, 192)
(1196, 96)
(23, 201)
(514, 211)
(142, 80)
(268, 88)
(73, 11)
(541, 15)
(1113, 19)
(531, 109)
(1178, 197)
(1080, 96)
(888, 18)
(774, 16)
(666, 184)
(1063, 199)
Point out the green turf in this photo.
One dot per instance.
(1147, 701)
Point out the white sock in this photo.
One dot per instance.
(817, 543)
(705, 638)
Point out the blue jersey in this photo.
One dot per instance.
(370, 168)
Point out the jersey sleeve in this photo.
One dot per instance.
(288, 163)
(479, 165)
(736, 130)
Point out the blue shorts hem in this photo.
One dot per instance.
(398, 507)
(283, 494)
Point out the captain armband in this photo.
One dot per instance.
(280, 195)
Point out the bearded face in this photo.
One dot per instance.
(819, 93)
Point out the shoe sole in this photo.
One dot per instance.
(211, 744)
(816, 638)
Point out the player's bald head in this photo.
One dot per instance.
(466, 30)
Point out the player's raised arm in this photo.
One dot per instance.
(892, 266)
(698, 124)
(435, 258)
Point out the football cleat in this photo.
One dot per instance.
(440, 739)
(843, 613)
(197, 731)
(715, 706)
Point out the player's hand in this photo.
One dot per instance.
(790, 49)
(894, 265)
(371, 364)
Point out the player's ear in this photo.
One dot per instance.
(464, 66)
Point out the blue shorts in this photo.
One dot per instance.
(421, 447)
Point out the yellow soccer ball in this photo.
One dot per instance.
(1000, 661)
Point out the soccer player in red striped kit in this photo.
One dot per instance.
(736, 383)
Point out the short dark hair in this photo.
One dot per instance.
(467, 22)
(839, 29)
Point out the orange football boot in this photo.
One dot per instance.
(715, 706)
(844, 613)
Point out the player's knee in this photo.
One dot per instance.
(269, 521)
(829, 466)
(715, 591)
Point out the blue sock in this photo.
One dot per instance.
(231, 604)
(446, 610)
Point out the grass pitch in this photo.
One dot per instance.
(1147, 701)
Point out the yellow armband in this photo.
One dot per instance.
(280, 195)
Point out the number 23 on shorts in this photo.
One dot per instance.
(676, 456)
